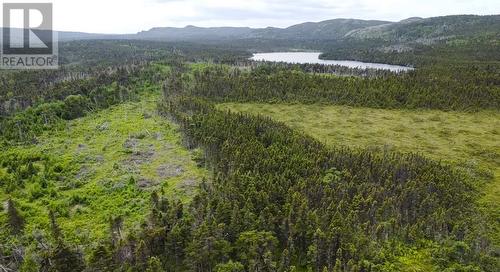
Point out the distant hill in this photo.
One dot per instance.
(422, 41)
(325, 30)
(70, 36)
(193, 33)
(428, 30)
(415, 29)
(67, 36)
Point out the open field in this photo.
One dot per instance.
(115, 159)
(469, 140)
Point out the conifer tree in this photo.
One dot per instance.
(16, 221)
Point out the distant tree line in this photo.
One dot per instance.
(90, 64)
(484, 48)
(468, 87)
(314, 68)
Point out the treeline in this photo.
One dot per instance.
(316, 68)
(463, 88)
(104, 53)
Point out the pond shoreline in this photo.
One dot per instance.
(313, 57)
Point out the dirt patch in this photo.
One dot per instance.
(140, 153)
(84, 172)
(146, 183)
(169, 170)
(131, 143)
(129, 167)
(141, 156)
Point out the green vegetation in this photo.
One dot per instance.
(483, 49)
(468, 140)
(301, 168)
(425, 30)
(329, 195)
(90, 66)
(92, 54)
(105, 192)
(91, 169)
(463, 88)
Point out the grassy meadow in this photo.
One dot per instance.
(115, 159)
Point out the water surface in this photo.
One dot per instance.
(313, 57)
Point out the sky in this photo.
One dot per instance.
(129, 16)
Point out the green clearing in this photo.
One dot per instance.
(468, 140)
(116, 158)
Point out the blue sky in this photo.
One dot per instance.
(130, 16)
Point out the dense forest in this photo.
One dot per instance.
(465, 87)
(275, 199)
(332, 213)
(482, 49)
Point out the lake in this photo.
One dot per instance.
(313, 57)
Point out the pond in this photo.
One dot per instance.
(313, 57)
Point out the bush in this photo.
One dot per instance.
(75, 106)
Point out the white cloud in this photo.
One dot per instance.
(129, 16)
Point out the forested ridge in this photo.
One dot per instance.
(482, 48)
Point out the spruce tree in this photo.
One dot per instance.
(16, 221)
